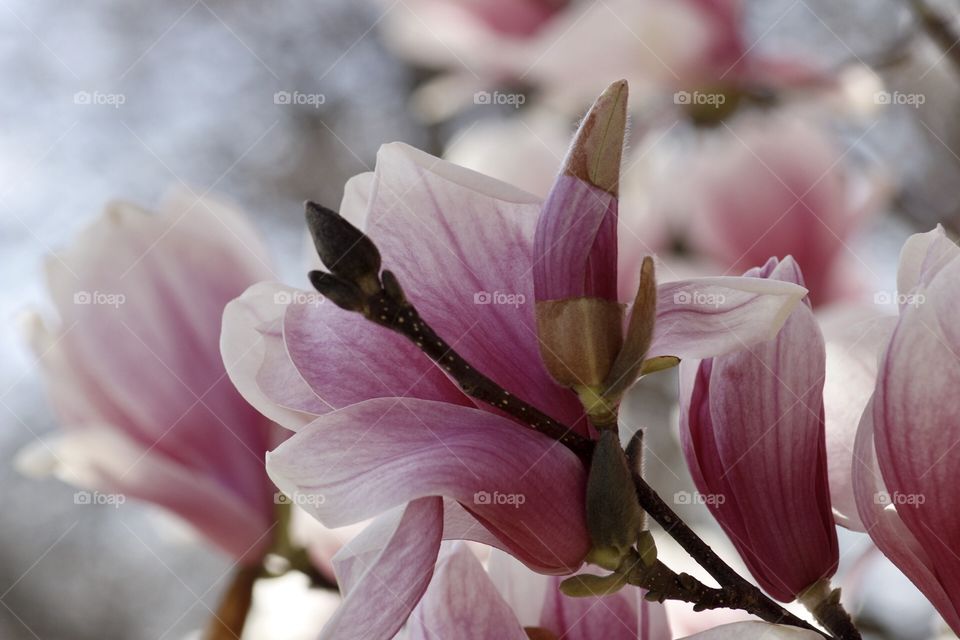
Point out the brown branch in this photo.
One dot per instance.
(749, 597)
(824, 603)
(231, 616)
(389, 308)
(939, 30)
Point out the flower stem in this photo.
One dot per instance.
(735, 592)
(824, 603)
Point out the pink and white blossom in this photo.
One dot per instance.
(381, 429)
(752, 426)
(776, 185)
(135, 376)
(906, 458)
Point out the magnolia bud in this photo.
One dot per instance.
(343, 294)
(614, 519)
(579, 339)
(345, 250)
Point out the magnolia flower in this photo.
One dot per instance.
(906, 461)
(134, 372)
(511, 18)
(508, 601)
(802, 200)
(381, 428)
(660, 46)
(753, 435)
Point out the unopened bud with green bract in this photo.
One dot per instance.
(579, 319)
(614, 518)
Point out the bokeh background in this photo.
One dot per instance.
(114, 99)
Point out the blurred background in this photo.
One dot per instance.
(268, 104)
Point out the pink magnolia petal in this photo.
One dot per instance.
(755, 631)
(346, 359)
(916, 438)
(754, 418)
(624, 615)
(855, 339)
(706, 317)
(524, 590)
(256, 358)
(885, 526)
(462, 602)
(462, 245)
(102, 458)
(141, 297)
(384, 584)
(923, 256)
(361, 460)
(356, 199)
(575, 249)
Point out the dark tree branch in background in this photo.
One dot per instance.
(940, 30)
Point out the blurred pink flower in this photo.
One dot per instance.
(753, 435)
(659, 46)
(777, 186)
(907, 458)
(509, 602)
(381, 428)
(135, 375)
(510, 18)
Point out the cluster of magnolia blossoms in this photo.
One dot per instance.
(551, 44)
(137, 380)
(459, 380)
(385, 425)
(682, 184)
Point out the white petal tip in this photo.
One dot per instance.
(37, 460)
